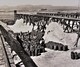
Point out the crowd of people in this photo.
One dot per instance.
(33, 42)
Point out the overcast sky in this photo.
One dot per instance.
(40, 2)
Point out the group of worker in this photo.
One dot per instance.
(32, 42)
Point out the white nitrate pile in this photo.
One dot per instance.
(19, 26)
(54, 32)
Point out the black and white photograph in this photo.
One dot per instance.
(39, 33)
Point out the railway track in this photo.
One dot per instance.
(5, 55)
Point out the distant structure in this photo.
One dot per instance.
(15, 13)
(43, 9)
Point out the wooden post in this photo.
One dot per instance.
(72, 26)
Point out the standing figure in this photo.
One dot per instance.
(20, 41)
(32, 50)
(78, 36)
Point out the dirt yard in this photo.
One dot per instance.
(51, 58)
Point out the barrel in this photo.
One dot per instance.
(60, 47)
(51, 46)
(72, 55)
(65, 48)
(55, 47)
(76, 55)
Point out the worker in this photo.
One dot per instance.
(43, 43)
(78, 36)
(36, 50)
(19, 40)
(21, 36)
(29, 34)
(32, 50)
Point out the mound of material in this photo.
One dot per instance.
(19, 26)
(4, 25)
(54, 32)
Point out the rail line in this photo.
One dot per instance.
(6, 57)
